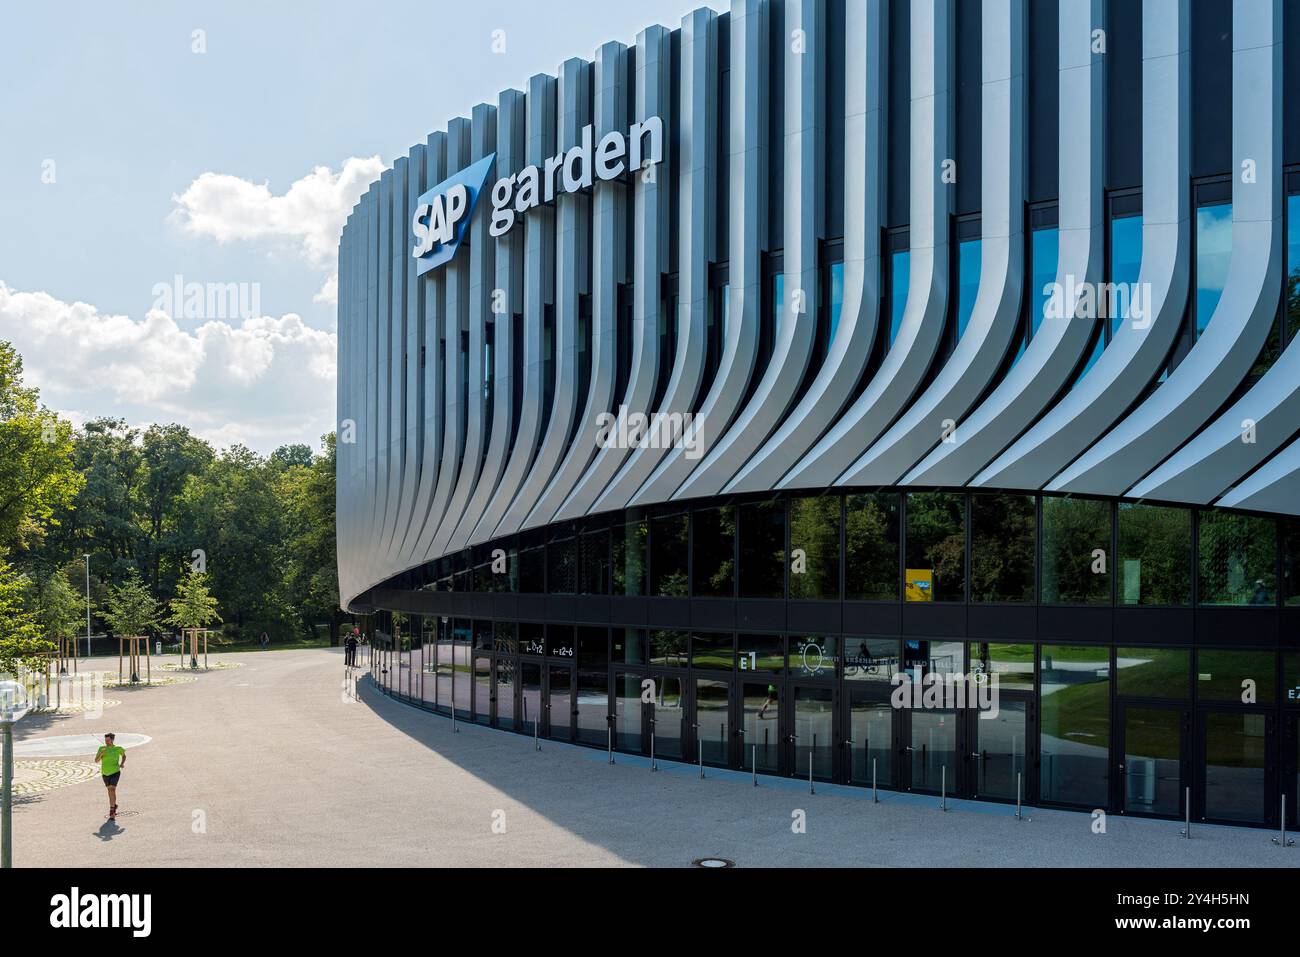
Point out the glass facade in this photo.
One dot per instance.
(1189, 704)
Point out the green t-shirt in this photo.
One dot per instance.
(111, 759)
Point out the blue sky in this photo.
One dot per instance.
(131, 159)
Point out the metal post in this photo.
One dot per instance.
(6, 815)
(537, 733)
(753, 760)
(1283, 841)
(875, 798)
(701, 746)
(810, 781)
(609, 732)
(1019, 775)
(87, 606)
(1187, 813)
(653, 765)
(943, 792)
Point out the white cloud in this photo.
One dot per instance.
(329, 293)
(263, 382)
(310, 214)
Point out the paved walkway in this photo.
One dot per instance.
(271, 764)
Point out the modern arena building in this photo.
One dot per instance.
(744, 391)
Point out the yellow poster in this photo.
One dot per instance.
(919, 585)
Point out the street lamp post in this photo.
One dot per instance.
(13, 705)
(87, 606)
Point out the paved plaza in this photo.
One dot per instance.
(273, 763)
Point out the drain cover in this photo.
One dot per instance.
(712, 862)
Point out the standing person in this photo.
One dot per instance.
(350, 650)
(265, 641)
(111, 760)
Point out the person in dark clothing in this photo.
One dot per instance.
(350, 650)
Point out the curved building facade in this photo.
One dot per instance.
(881, 391)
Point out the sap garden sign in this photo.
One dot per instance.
(443, 213)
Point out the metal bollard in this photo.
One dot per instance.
(810, 780)
(1283, 841)
(1019, 775)
(610, 734)
(654, 765)
(875, 798)
(701, 744)
(537, 741)
(943, 792)
(753, 760)
(1187, 814)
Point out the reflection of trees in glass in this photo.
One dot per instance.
(1073, 528)
(871, 547)
(762, 550)
(668, 647)
(1002, 548)
(594, 563)
(1155, 555)
(936, 539)
(669, 540)
(629, 558)
(1237, 560)
(1291, 559)
(714, 552)
(815, 528)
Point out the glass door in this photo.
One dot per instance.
(483, 697)
(559, 713)
(812, 731)
(999, 757)
(630, 724)
(712, 719)
(1152, 761)
(870, 741)
(506, 688)
(760, 737)
(1235, 749)
(666, 715)
(1291, 767)
(930, 750)
(530, 697)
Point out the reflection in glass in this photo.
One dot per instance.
(762, 550)
(594, 568)
(761, 653)
(1076, 546)
(629, 557)
(761, 740)
(669, 536)
(814, 656)
(968, 281)
(483, 690)
(530, 696)
(1012, 664)
(871, 546)
(629, 646)
(506, 693)
(1075, 718)
(934, 749)
(815, 547)
(1235, 676)
(712, 651)
(712, 700)
(936, 547)
(713, 542)
(1290, 528)
(1155, 555)
(836, 304)
(669, 717)
(871, 659)
(1213, 251)
(1153, 672)
(1237, 559)
(559, 703)
(593, 709)
(668, 647)
(627, 713)
(1002, 547)
(1043, 250)
(814, 714)
(1235, 754)
(999, 754)
(871, 737)
(900, 272)
(1152, 760)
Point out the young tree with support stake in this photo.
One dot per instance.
(193, 608)
(131, 611)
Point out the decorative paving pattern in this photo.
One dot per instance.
(37, 776)
(217, 666)
(69, 707)
(114, 682)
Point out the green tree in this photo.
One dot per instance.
(131, 610)
(308, 556)
(55, 605)
(37, 476)
(193, 606)
(21, 642)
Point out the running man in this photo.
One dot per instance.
(111, 760)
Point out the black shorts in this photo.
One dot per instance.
(110, 780)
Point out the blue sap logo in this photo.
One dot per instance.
(442, 215)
